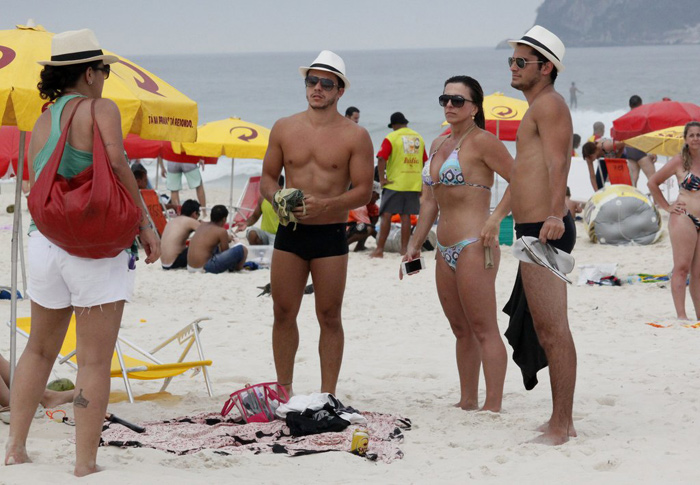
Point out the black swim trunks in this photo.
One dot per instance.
(180, 261)
(528, 354)
(565, 243)
(312, 241)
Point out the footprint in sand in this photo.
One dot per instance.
(606, 401)
(606, 466)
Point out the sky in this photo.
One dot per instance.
(143, 27)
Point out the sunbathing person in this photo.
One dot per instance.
(50, 399)
(173, 243)
(210, 250)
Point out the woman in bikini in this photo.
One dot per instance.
(684, 221)
(457, 182)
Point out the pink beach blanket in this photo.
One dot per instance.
(228, 436)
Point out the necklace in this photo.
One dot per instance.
(459, 143)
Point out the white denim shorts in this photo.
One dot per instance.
(60, 280)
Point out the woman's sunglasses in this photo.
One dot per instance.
(521, 62)
(457, 101)
(105, 69)
(312, 81)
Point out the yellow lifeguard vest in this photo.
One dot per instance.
(406, 160)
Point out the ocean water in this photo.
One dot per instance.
(262, 88)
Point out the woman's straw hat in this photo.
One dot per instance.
(76, 47)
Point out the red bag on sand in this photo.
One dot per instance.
(91, 215)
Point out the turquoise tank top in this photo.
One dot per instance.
(73, 161)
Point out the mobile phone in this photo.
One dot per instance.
(414, 266)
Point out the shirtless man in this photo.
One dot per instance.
(322, 153)
(538, 188)
(173, 243)
(209, 247)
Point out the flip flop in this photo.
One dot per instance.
(530, 250)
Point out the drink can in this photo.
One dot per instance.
(360, 442)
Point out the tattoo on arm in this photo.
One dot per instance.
(80, 400)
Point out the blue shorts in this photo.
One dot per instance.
(229, 260)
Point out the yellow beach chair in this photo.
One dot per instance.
(151, 367)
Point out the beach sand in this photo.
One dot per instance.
(636, 396)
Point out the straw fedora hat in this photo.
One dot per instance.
(545, 42)
(76, 47)
(330, 62)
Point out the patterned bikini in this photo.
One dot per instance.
(450, 174)
(691, 183)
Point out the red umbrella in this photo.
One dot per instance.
(9, 149)
(652, 117)
(137, 147)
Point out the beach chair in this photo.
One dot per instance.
(248, 200)
(156, 209)
(150, 366)
(618, 171)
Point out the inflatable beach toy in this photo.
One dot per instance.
(620, 215)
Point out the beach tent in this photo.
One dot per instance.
(148, 105)
(231, 137)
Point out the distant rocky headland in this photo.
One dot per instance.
(598, 23)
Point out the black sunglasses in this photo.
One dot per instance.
(105, 69)
(457, 101)
(312, 81)
(521, 62)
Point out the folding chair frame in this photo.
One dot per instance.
(188, 336)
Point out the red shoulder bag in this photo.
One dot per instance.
(91, 215)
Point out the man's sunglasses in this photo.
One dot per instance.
(457, 101)
(521, 62)
(312, 81)
(105, 69)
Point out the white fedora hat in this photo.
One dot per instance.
(328, 61)
(76, 47)
(545, 42)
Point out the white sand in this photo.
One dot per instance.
(635, 404)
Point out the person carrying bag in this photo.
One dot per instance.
(87, 211)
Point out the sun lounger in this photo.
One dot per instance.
(149, 366)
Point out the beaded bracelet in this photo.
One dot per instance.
(556, 219)
(147, 226)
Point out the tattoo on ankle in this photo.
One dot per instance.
(80, 400)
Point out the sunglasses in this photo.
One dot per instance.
(457, 101)
(521, 62)
(105, 69)
(326, 84)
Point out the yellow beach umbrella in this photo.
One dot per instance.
(503, 115)
(668, 141)
(231, 137)
(149, 106)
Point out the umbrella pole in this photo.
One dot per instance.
(16, 223)
(498, 135)
(159, 166)
(230, 194)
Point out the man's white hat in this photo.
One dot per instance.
(545, 42)
(328, 61)
(76, 47)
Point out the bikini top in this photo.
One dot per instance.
(691, 182)
(450, 172)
